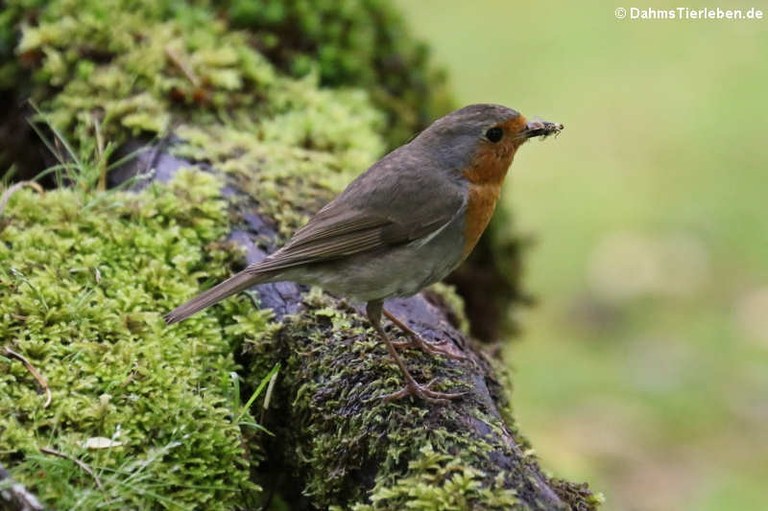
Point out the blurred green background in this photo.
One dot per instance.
(644, 367)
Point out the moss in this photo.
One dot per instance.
(130, 67)
(100, 67)
(158, 65)
(360, 43)
(126, 67)
(340, 431)
(83, 285)
(439, 482)
(578, 495)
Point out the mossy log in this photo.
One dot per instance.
(335, 440)
(227, 124)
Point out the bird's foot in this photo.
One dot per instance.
(425, 392)
(443, 348)
(403, 345)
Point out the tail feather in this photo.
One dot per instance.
(239, 282)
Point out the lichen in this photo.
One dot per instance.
(83, 287)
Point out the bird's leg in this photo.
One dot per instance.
(412, 387)
(410, 343)
(418, 341)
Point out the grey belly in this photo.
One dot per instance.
(395, 271)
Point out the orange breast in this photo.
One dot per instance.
(485, 177)
(481, 202)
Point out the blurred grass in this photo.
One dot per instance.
(644, 368)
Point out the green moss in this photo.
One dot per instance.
(133, 66)
(362, 43)
(578, 495)
(83, 288)
(336, 371)
(439, 482)
(117, 71)
(127, 67)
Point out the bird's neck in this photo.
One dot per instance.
(490, 167)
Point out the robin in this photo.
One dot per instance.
(401, 226)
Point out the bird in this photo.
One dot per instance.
(400, 226)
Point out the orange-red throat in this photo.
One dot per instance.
(485, 175)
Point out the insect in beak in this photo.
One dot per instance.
(542, 128)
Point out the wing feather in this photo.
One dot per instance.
(371, 214)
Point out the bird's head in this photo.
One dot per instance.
(483, 137)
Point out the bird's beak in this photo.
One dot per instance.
(541, 128)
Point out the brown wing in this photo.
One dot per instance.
(370, 214)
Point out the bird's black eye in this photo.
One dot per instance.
(494, 134)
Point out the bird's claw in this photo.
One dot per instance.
(442, 347)
(402, 345)
(425, 392)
